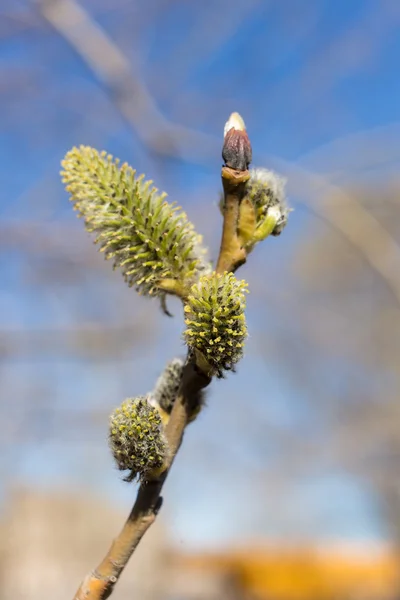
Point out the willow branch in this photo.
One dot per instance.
(99, 584)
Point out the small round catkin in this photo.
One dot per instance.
(137, 438)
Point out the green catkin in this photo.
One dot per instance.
(149, 239)
(136, 438)
(215, 320)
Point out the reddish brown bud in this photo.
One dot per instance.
(236, 150)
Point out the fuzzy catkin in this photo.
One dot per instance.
(137, 439)
(167, 387)
(266, 189)
(215, 320)
(150, 240)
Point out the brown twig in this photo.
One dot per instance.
(231, 254)
(100, 583)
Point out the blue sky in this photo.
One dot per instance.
(303, 74)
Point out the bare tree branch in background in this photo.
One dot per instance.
(129, 93)
(342, 159)
(347, 215)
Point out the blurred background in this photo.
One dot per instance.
(288, 484)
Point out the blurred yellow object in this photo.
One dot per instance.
(306, 574)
